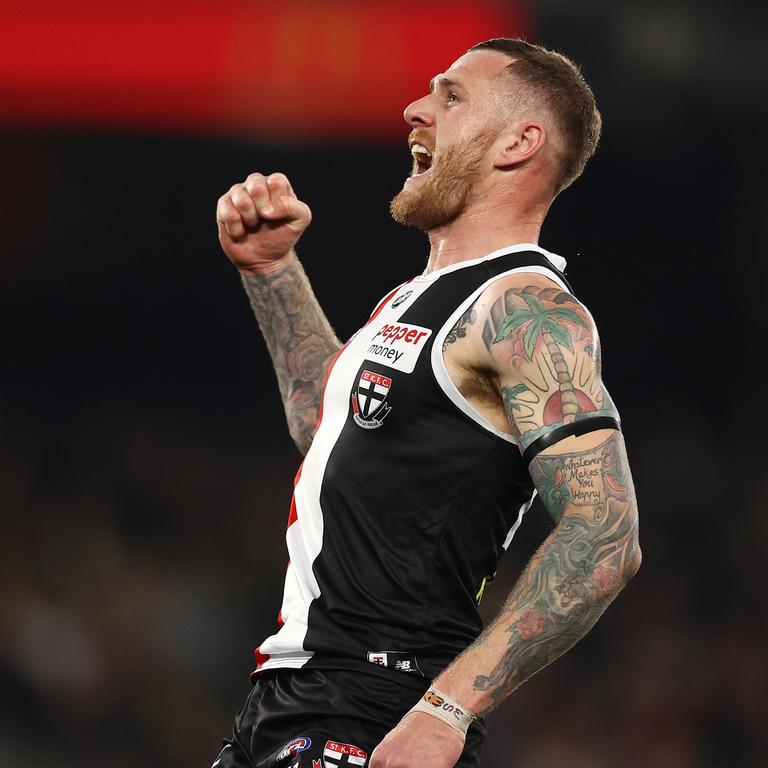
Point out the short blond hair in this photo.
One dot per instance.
(558, 81)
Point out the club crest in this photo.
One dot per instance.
(336, 754)
(369, 400)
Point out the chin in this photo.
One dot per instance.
(417, 208)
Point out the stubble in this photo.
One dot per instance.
(447, 190)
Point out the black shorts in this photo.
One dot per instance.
(322, 719)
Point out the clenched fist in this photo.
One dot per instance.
(260, 221)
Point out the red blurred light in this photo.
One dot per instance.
(290, 70)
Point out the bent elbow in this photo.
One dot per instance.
(633, 559)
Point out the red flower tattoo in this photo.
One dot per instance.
(606, 579)
(531, 624)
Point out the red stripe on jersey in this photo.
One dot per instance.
(261, 658)
(384, 301)
(292, 514)
(327, 376)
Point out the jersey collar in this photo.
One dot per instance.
(557, 261)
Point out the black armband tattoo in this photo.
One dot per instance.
(576, 428)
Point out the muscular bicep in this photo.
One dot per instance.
(543, 346)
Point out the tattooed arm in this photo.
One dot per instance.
(259, 223)
(542, 348)
(528, 353)
(299, 339)
(570, 581)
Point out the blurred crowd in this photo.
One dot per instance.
(141, 570)
(146, 472)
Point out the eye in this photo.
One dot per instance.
(451, 96)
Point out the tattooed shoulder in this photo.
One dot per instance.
(546, 350)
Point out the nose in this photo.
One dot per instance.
(417, 113)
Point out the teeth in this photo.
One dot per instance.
(417, 149)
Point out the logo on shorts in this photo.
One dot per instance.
(400, 299)
(336, 754)
(369, 400)
(401, 661)
(293, 747)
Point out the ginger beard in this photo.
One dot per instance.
(447, 188)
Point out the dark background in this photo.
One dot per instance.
(146, 469)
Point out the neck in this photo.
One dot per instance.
(480, 230)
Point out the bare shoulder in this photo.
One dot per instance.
(524, 299)
(523, 306)
(543, 345)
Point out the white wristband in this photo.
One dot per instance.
(437, 704)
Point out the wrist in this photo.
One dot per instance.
(437, 704)
(267, 267)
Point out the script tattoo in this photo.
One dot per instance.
(459, 331)
(300, 341)
(547, 338)
(578, 570)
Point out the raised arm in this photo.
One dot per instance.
(540, 345)
(259, 223)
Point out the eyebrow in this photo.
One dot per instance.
(442, 82)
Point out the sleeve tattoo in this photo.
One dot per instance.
(576, 573)
(300, 341)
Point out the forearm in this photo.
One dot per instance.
(574, 576)
(299, 338)
(553, 606)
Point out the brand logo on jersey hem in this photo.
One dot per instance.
(336, 754)
(369, 400)
(401, 661)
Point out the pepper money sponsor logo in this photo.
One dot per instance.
(398, 345)
(336, 754)
(369, 400)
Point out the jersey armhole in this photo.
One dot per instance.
(440, 370)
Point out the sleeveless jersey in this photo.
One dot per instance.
(407, 497)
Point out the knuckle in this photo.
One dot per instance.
(255, 177)
(241, 199)
(225, 212)
(277, 178)
(255, 187)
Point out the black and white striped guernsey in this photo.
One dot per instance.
(407, 497)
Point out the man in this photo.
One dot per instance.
(472, 386)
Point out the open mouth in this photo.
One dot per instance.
(422, 158)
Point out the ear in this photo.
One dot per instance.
(519, 144)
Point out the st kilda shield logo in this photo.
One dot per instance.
(369, 400)
(336, 754)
